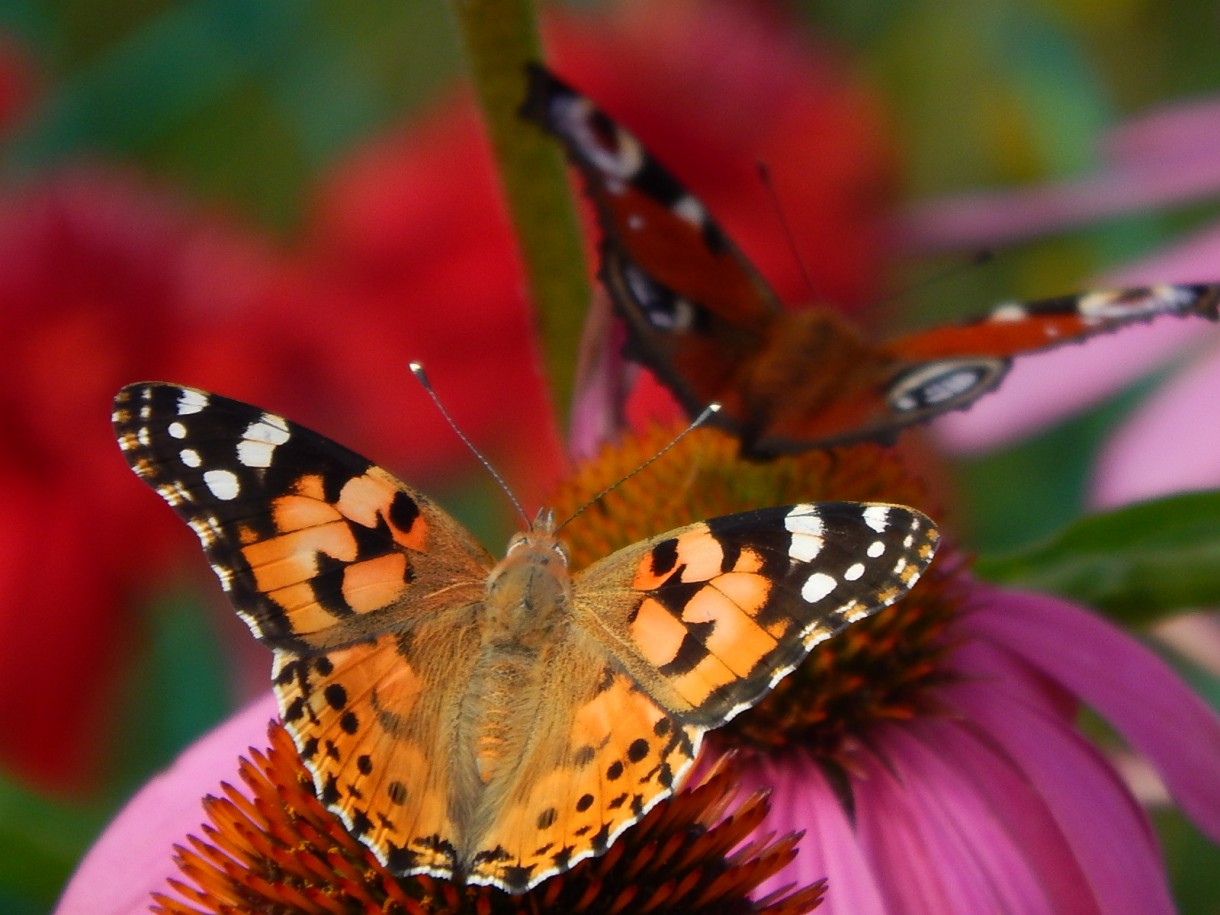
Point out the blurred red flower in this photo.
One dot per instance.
(104, 279)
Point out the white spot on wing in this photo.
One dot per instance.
(805, 526)
(225, 576)
(190, 457)
(854, 572)
(1130, 304)
(174, 493)
(817, 586)
(176, 430)
(876, 548)
(691, 210)
(1010, 311)
(223, 484)
(260, 440)
(191, 402)
(877, 517)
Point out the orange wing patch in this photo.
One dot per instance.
(606, 753)
(370, 722)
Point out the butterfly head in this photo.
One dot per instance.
(531, 587)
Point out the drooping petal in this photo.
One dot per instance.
(1017, 818)
(804, 800)
(1136, 692)
(1152, 161)
(1170, 444)
(1107, 833)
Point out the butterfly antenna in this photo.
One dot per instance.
(969, 262)
(418, 371)
(708, 412)
(764, 176)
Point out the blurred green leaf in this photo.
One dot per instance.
(1138, 563)
(1192, 863)
(177, 688)
(241, 102)
(40, 842)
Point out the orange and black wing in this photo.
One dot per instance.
(709, 617)
(315, 545)
(368, 592)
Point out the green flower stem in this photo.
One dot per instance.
(500, 37)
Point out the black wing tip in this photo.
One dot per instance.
(542, 85)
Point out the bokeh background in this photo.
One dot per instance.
(286, 201)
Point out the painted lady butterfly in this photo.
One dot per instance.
(702, 318)
(497, 722)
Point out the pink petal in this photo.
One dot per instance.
(133, 857)
(1136, 692)
(1151, 162)
(1170, 444)
(1013, 812)
(802, 799)
(983, 856)
(1166, 137)
(909, 863)
(1109, 837)
(1045, 388)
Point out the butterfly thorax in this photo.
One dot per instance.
(526, 611)
(780, 380)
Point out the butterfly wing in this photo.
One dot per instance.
(696, 307)
(949, 367)
(597, 760)
(707, 618)
(351, 576)
(315, 545)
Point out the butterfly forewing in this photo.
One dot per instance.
(721, 610)
(315, 545)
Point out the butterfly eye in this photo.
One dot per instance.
(562, 550)
(516, 543)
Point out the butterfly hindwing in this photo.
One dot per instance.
(601, 758)
(315, 545)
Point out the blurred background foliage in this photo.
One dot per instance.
(246, 106)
